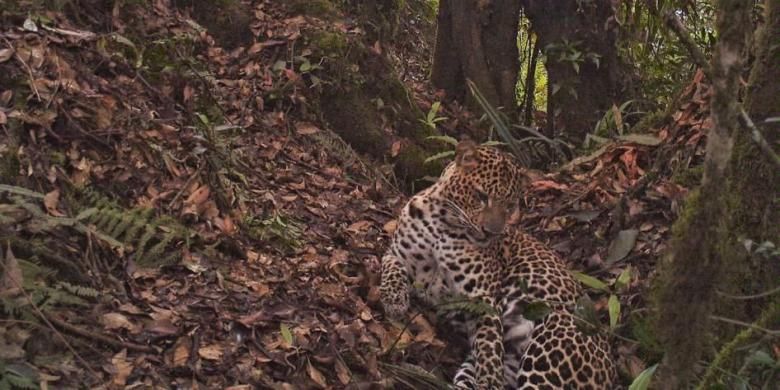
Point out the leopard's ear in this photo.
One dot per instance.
(466, 156)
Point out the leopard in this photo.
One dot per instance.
(454, 238)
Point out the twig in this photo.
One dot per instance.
(406, 326)
(186, 184)
(729, 349)
(748, 297)
(100, 337)
(759, 139)
(27, 68)
(771, 332)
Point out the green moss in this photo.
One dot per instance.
(9, 167)
(226, 20)
(690, 177)
(58, 158)
(316, 8)
(687, 215)
(410, 167)
(643, 331)
(329, 43)
(353, 117)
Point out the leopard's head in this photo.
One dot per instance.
(484, 185)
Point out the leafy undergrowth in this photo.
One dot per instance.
(172, 213)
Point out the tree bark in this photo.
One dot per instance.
(477, 40)
(581, 96)
(738, 200)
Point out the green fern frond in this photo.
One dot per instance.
(81, 291)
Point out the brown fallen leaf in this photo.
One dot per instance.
(113, 321)
(316, 376)
(51, 201)
(122, 368)
(211, 352)
(6, 54)
(306, 128)
(11, 282)
(181, 352)
(342, 372)
(359, 226)
(390, 226)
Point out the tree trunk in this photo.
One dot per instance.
(738, 200)
(585, 87)
(477, 40)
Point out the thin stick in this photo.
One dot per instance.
(771, 332)
(27, 68)
(748, 297)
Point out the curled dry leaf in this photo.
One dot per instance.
(51, 201)
(6, 54)
(113, 321)
(306, 128)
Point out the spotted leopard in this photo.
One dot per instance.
(453, 238)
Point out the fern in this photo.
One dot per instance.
(15, 379)
(81, 291)
(462, 304)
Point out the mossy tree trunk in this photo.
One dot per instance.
(477, 40)
(585, 73)
(739, 199)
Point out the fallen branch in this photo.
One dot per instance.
(105, 339)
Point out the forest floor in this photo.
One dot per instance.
(259, 264)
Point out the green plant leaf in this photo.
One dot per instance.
(286, 334)
(642, 381)
(614, 310)
(536, 311)
(443, 138)
(621, 246)
(439, 156)
(625, 277)
(590, 281)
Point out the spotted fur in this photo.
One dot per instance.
(452, 238)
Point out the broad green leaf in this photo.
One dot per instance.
(203, 118)
(286, 335)
(642, 381)
(614, 310)
(536, 311)
(624, 278)
(590, 281)
(622, 245)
